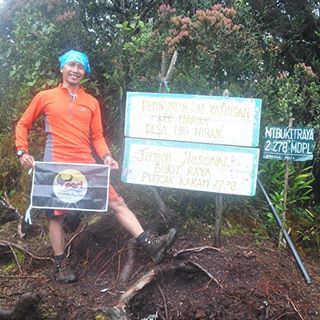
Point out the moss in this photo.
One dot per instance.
(8, 267)
(18, 199)
(6, 228)
(44, 237)
(260, 234)
(94, 219)
(48, 313)
(100, 316)
(234, 230)
(12, 265)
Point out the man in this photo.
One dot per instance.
(73, 126)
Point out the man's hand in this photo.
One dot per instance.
(27, 161)
(109, 161)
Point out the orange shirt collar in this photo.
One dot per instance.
(80, 90)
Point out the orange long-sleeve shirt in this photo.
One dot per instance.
(72, 126)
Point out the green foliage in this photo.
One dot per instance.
(307, 227)
(10, 167)
(296, 96)
(25, 63)
(214, 34)
(300, 182)
(140, 52)
(201, 38)
(300, 215)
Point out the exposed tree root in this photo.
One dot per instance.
(25, 306)
(295, 308)
(206, 272)
(15, 258)
(118, 312)
(68, 246)
(11, 244)
(164, 301)
(128, 267)
(196, 249)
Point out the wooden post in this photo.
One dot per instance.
(164, 78)
(218, 221)
(219, 205)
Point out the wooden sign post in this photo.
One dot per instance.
(193, 142)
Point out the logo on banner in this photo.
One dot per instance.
(70, 185)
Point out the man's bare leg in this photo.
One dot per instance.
(56, 235)
(126, 217)
(155, 246)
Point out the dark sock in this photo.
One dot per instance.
(142, 237)
(58, 259)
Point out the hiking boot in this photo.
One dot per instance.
(63, 273)
(157, 246)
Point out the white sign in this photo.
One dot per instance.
(193, 118)
(202, 167)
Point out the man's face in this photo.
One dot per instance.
(72, 73)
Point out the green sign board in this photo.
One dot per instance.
(283, 143)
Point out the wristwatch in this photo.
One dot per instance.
(20, 153)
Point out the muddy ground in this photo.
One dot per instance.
(244, 279)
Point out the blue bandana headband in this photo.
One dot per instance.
(75, 56)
